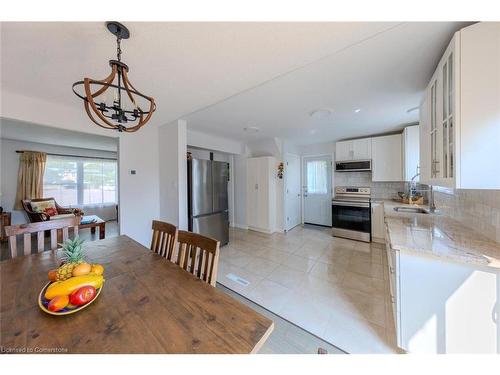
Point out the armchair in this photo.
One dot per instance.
(62, 212)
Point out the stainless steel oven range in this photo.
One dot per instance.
(351, 213)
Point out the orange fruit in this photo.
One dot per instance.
(58, 303)
(53, 275)
(97, 269)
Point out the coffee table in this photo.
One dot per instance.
(97, 222)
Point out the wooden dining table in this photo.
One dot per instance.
(147, 305)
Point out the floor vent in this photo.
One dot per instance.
(237, 279)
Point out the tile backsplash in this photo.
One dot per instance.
(380, 190)
(476, 209)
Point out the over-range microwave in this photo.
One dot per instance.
(353, 166)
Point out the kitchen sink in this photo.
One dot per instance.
(412, 210)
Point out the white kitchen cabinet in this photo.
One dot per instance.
(447, 307)
(387, 158)
(425, 142)
(411, 152)
(362, 149)
(394, 288)
(343, 151)
(378, 225)
(356, 149)
(461, 112)
(441, 306)
(261, 194)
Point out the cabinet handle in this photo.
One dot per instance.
(393, 300)
(391, 270)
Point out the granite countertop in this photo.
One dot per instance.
(439, 236)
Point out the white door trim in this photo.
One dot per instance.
(286, 186)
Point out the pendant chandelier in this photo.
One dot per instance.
(125, 113)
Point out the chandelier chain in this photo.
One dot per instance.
(118, 49)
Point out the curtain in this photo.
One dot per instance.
(30, 176)
(317, 177)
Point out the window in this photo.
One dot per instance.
(317, 177)
(73, 181)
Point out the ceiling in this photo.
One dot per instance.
(27, 132)
(223, 77)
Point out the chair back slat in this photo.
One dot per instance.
(13, 246)
(164, 239)
(39, 228)
(65, 234)
(199, 255)
(53, 239)
(40, 241)
(27, 243)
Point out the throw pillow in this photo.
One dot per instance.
(51, 211)
(41, 206)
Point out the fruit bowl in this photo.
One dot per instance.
(69, 309)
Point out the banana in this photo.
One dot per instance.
(64, 288)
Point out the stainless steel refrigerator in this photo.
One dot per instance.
(208, 199)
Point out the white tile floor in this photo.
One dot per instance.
(335, 288)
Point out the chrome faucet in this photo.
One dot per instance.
(411, 185)
(432, 204)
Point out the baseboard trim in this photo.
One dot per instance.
(240, 226)
(261, 230)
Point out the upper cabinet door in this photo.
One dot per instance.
(362, 149)
(425, 145)
(411, 152)
(463, 96)
(344, 151)
(387, 158)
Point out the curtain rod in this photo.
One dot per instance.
(72, 156)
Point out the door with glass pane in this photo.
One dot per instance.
(317, 190)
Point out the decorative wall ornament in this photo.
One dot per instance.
(281, 170)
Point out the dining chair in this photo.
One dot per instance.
(164, 239)
(39, 228)
(199, 255)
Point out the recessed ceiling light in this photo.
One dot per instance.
(321, 113)
(251, 129)
(357, 110)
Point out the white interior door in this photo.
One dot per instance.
(292, 194)
(318, 190)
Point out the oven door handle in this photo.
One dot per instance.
(351, 204)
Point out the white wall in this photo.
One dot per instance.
(139, 193)
(317, 149)
(10, 166)
(240, 191)
(173, 173)
(213, 142)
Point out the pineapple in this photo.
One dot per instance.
(72, 256)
